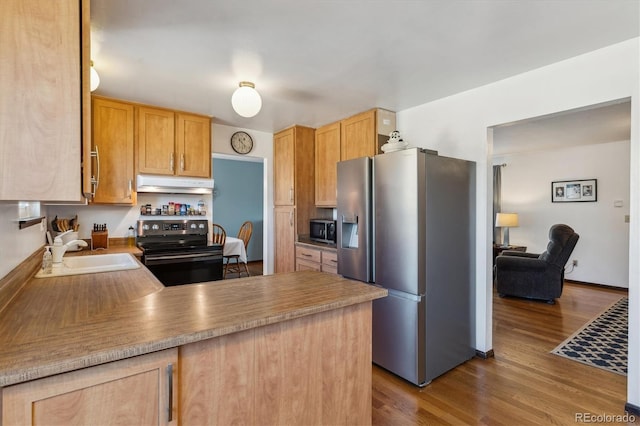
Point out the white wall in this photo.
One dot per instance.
(17, 244)
(262, 148)
(457, 126)
(603, 249)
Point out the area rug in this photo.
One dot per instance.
(602, 342)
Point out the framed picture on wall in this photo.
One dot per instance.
(572, 191)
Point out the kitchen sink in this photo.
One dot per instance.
(77, 265)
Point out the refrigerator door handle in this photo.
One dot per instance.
(407, 296)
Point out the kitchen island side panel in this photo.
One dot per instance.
(314, 370)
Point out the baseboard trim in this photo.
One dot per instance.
(485, 355)
(632, 409)
(611, 287)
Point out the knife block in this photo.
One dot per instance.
(99, 240)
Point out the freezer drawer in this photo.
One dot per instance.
(398, 335)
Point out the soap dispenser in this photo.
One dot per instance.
(131, 237)
(47, 260)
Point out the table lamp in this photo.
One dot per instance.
(506, 221)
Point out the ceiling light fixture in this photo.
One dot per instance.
(94, 80)
(246, 100)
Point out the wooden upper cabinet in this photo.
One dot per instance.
(364, 134)
(112, 128)
(155, 140)
(40, 101)
(327, 155)
(359, 138)
(193, 145)
(173, 143)
(283, 168)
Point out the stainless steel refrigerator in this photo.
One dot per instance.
(406, 223)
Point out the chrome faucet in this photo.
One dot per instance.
(59, 249)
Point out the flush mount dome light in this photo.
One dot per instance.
(246, 100)
(94, 80)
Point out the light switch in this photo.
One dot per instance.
(626, 218)
(618, 203)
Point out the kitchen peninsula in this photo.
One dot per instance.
(292, 348)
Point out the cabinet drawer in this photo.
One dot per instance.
(306, 265)
(330, 258)
(332, 269)
(308, 254)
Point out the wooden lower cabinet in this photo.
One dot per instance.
(330, 261)
(285, 238)
(311, 259)
(314, 370)
(308, 259)
(130, 391)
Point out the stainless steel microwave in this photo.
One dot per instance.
(322, 230)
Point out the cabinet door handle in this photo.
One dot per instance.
(171, 162)
(182, 163)
(305, 254)
(291, 218)
(291, 195)
(130, 189)
(95, 179)
(170, 392)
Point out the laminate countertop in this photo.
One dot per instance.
(60, 324)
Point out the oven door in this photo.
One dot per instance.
(185, 268)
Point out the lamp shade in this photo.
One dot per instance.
(246, 100)
(506, 220)
(94, 79)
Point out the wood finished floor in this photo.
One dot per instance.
(523, 384)
(255, 268)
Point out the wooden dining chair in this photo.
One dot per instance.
(218, 234)
(244, 234)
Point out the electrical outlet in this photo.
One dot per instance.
(575, 262)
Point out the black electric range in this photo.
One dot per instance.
(177, 251)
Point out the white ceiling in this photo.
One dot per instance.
(316, 61)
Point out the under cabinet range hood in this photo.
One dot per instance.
(174, 185)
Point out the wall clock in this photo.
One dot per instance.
(241, 142)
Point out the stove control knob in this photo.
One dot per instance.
(201, 226)
(155, 227)
(193, 226)
(145, 227)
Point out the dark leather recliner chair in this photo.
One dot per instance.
(536, 276)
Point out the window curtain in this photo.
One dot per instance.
(497, 201)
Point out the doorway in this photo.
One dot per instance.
(238, 196)
(592, 142)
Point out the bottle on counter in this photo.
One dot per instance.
(131, 237)
(201, 209)
(47, 260)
